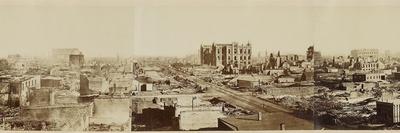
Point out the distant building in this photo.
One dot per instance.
(369, 66)
(142, 84)
(62, 55)
(4, 93)
(332, 70)
(279, 61)
(20, 89)
(308, 75)
(310, 54)
(313, 56)
(54, 82)
(76, 60)
(318, 58)
(233, 54)
(396, 75)
(98, 84)
(365, 53)
(122, 86)
(369, 77)
(286, 79)
(274, 72)
(247, 82)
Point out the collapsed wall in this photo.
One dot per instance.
(114, 111)
(67, 117)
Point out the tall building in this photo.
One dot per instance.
(314, 56)
(232, 54)
(62, 55)
(310, 54)
(365, 53)
(318, 58)
(76, 60)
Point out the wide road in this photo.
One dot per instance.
(245, 101)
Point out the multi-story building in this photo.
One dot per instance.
(369, 66)
(280, 61)
(314, 56)
(369, 77)
(63, 55)
(76, 60)
(20, 89)
(365, 53)
(317, 58)
(388, 111)
(232, 54)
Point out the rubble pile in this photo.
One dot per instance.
(29, 125)
(9, 111)
(229, 109)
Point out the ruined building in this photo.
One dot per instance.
(278, 61)
(232, 55)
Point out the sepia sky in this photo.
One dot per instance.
(33, 28)
(178, 27)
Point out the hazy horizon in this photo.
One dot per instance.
(178, 28)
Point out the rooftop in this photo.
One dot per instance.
(270, 121)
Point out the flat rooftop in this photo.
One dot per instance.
(270, 121)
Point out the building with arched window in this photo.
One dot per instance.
(231, 54)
